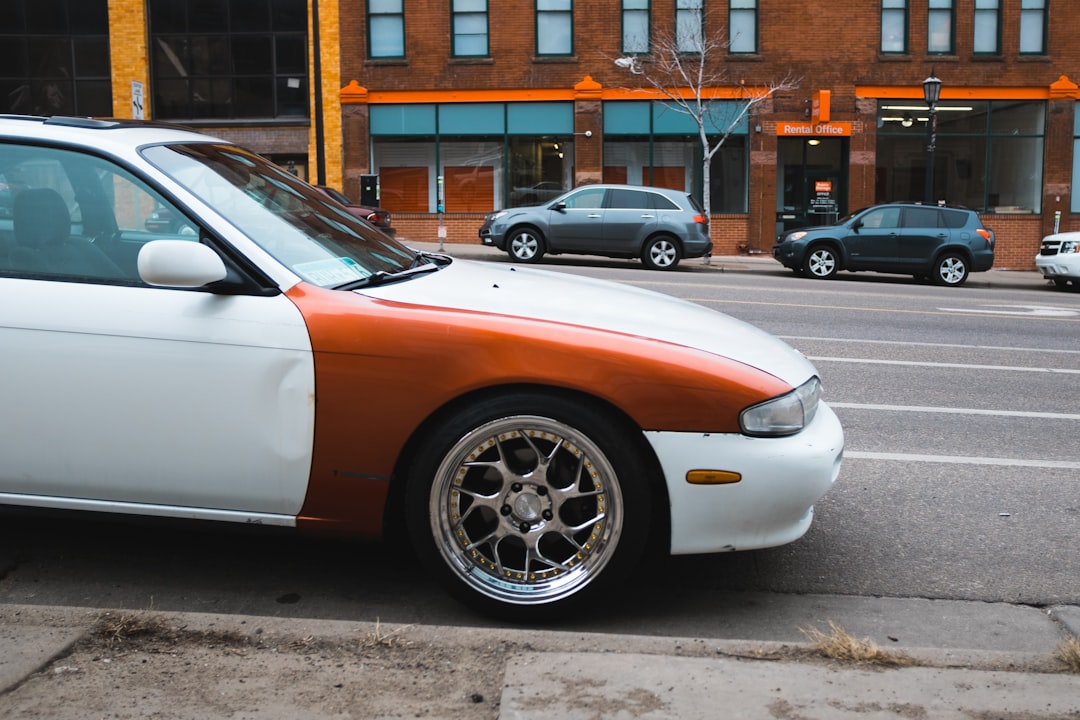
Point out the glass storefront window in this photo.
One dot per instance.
(988, 155)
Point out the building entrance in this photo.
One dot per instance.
(811, 182)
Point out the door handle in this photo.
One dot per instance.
(593, 216)
(647, 215)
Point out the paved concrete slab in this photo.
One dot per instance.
(586, 686)
(25, 649)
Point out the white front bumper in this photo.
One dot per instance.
(772, 505)
(1062, 265)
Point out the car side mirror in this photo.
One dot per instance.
(179, 264)
(559, 206)
(856, 225)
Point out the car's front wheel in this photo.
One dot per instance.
(951, 270)
(525, 245)
(661, 253)
(821, 262)
(525, 504)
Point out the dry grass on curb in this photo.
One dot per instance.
(1068, 655)
(839, 645)
(377, 638)
(118, 628)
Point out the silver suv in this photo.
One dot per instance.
(658, 225)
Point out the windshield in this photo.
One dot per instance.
(292, 221)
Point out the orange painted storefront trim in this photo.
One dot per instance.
(954, 93)
(353, 94)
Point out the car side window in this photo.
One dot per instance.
(78, 218)
(659, 202)
(954, 219)
(586, 199)
(922, 217)
(882, 218)
(626, 199)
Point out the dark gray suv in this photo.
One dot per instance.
(658, 225)
(925, 241)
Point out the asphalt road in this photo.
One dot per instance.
(960, 481)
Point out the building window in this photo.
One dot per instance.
(1033, 27)
(894, 20)
(939, 27)
(488, 155)
(55, 58)
(470, 21)
(987, 27)
(650, 143)
(635, 26)
(742, 26)
(386, 28)
(689, 28)
(554, 27)
(989, 154)
(229, 60)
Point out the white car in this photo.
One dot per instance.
(1059, 259)
(282, 363)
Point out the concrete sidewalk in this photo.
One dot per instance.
(989, 660)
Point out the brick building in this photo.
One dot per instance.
(464, 106)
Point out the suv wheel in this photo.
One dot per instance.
(950, 269)
(821, 262)
(525, 245)
(661, 253)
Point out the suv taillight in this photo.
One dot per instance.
(701, 220)
(985, 235)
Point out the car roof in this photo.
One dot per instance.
(107, 134)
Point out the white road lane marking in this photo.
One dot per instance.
(927, 344)
(963, 366)
(957, 411)
(961, 460)
(1030, 310)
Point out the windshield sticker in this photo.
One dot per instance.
(335, 271)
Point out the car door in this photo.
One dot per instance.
(629, 218)
(118, 395)
(577, 223)
(922, 233)
(873, 243)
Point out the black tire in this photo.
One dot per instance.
(821, 262)
(525, 245)
(950, 270)
(498, 508)
(661, 253)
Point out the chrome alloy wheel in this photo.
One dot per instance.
(525, 246)
(951, 270)
(821, 263)
(662, 254)
(526, 509)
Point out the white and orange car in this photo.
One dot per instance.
(286, 365)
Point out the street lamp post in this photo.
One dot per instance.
(931, 92)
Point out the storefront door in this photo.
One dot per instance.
(811, 186)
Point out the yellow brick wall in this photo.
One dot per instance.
(127, 51)
(330, 43)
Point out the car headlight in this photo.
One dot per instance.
(796, 236)
(1069, 246)
(785, 415)
(497, 215)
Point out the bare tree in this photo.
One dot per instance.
(684, 67)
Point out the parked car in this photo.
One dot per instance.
(1059, 259)
(925, 241)
(531, 434)
(658, 225)
(376, 216)
(165, 222)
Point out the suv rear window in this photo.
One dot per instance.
(922, 217)
(954, 219)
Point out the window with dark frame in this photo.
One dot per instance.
(742, 26)
(635, 26)
(1033, 19)
(987, 40)
(689, 26)
(55, 59)
(939, 27)
(894, 21)
(469, 19)
(554, 27)
(386, 28)
(229, 59)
